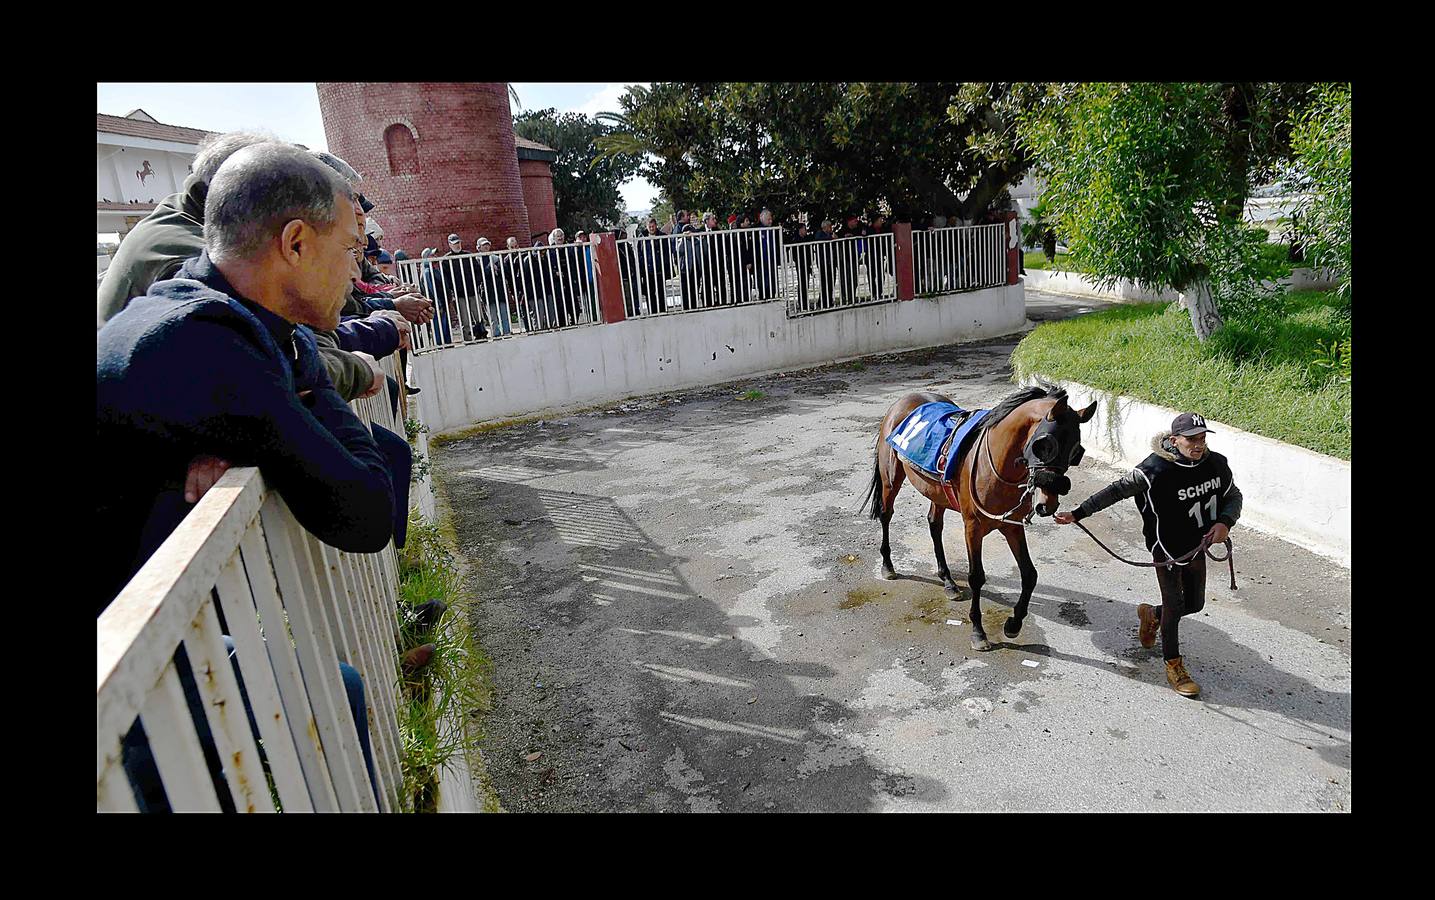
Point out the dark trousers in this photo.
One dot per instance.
(1183, 591)
(825, 281)
(138, 759)
(400, 457)
(849, 276)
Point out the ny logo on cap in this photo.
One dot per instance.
(1198, 420)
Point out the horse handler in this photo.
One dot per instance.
(1185, 492)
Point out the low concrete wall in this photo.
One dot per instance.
(527, 374)
(1126, 291)
(1296, 494)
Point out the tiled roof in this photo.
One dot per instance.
(531, 145)
(152, 130)
(125, 207)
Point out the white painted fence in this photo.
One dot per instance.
(464, 386)
(699, 270)
(965, 258)
(481, 296)
(822, 275)
(294, 607)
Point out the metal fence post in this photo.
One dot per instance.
(902, 260)
(610, 281)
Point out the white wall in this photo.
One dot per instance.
(1127, 291)
(1296, 494)
(116, 171)
(526, 374)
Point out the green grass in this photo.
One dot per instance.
(434, 718)
(1263, 373)
(1035, 259)
(1273, 263)
(751, 395)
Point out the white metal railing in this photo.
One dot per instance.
(964, 258)
(823, 274)
(293, 607)
(699, 270)
(482, 296)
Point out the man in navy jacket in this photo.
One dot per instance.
(210, 364)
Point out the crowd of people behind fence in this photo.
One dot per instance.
(694, 261)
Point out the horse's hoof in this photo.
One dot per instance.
(889, 573)
(981, 643)
(953, 592)
(1011, 627)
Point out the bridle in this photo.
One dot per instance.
(1036, 462)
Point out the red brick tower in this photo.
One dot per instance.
(436, 158)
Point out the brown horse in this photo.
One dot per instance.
(1016, 464)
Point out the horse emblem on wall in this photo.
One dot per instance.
(144, 173)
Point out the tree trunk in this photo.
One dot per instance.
(1048, 246)
(1202, 306)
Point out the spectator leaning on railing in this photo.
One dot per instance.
(213, 364)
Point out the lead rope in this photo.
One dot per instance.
(1205, 546)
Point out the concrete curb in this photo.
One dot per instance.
(1293, 493)
(1127, 291)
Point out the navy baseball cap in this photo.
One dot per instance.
(1189, 424)
(452, 238)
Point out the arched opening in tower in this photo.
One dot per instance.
(403, 150)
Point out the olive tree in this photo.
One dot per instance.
(1148, 181)
(1321, 169)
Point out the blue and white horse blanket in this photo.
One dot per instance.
(934, 436)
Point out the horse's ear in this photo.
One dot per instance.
(1086, 414)
(1056, 409)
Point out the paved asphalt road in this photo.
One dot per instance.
(680, 598)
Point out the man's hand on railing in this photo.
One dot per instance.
(378, 373)
(414, 307)
(401, 323)
(204, 471)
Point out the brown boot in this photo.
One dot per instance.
(1150, 624)
(1180, 679)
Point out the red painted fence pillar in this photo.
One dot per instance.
(1013, 254)
(610, 282)
(902, 261)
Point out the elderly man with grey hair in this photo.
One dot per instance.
(214, 364)
(161, 242)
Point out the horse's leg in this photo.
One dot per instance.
(890, 470)
(934, 523)
(1016, 539)
(976, 577)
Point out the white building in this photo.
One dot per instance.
(138, 162)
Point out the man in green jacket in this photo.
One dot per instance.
(156, 247)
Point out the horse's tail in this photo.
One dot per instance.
(874, 491)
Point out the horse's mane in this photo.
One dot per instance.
(1042, 391)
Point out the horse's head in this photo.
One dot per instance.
(1053, 445)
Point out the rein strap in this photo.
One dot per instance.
(1204, 546)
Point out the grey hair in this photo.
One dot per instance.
(262, 188)
(345, 170)
(215, 149)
